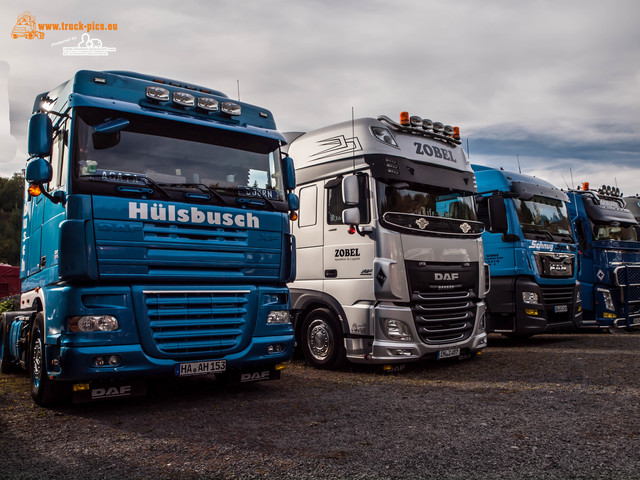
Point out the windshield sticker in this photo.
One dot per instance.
(541, 246)
(422, 223)
(169, 213)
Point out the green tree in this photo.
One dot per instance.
(11, 200)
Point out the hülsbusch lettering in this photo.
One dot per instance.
(169, 213)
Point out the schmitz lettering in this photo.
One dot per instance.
(169, 213)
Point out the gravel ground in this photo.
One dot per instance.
(553, 407)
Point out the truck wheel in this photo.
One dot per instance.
(43, 390)
(322, 341)
(5, 356)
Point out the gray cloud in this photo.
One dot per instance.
(554, 82)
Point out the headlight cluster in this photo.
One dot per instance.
(530, 297)
(93, 323)
(396, 330)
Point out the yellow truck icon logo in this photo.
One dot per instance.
(26, 27)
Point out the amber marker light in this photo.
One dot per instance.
(404, 119)
(34, 190)
(456, 133)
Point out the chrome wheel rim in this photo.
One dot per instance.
(319, 339)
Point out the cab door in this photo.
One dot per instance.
(348, 256)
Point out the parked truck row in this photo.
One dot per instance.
(171, 231)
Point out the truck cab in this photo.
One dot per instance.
(607, 235)
(390, 258)
(530, 249)
(155, 239)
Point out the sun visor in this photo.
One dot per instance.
(607, 211)
(525, 189)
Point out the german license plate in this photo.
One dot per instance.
(448, 353)
(561, 308)
(200, 368)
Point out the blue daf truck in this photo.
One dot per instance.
(607, 234)
(531, 253)
(155, 239)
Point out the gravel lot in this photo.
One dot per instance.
(555, 406)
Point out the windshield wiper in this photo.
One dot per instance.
(127, 186)
(538, 231)
(199, 186)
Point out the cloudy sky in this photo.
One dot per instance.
(555, 84)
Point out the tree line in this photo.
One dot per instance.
(11, 202)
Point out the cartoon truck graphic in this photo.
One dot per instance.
(26, 27)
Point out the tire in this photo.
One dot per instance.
(6, 365)
(44, 391)
(322, 341)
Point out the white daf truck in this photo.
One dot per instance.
(390, 262)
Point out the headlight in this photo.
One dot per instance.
(231, 108)
(608, 300)
(530, 297)
(183, 98)
(383, 135)
(396, 330)
(578, 295)
(93, 323)
(276, 317)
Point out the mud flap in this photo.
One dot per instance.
(248, 375)
(95, 391)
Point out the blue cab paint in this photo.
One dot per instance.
(161, 238)
(531, 252)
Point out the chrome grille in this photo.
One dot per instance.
(444, 317)
(196, 322)
(628, 277)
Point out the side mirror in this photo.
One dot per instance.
(40, 135)
(289, 173)
(581, 233)
(294, 201)
(39, 171)
(498, 222)
(107, 134)
(350, 191)
(351, 216)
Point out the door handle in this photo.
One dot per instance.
(333, 273)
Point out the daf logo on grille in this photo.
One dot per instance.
(422, 223)
(446, 276)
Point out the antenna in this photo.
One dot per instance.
(238, 82)
(565, 182)
(353, 139)
(519, 169)
(468, 154)
(571, 172)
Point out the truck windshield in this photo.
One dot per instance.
(603, 231)
(544, 218)
(427, 208)
(173, 157)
